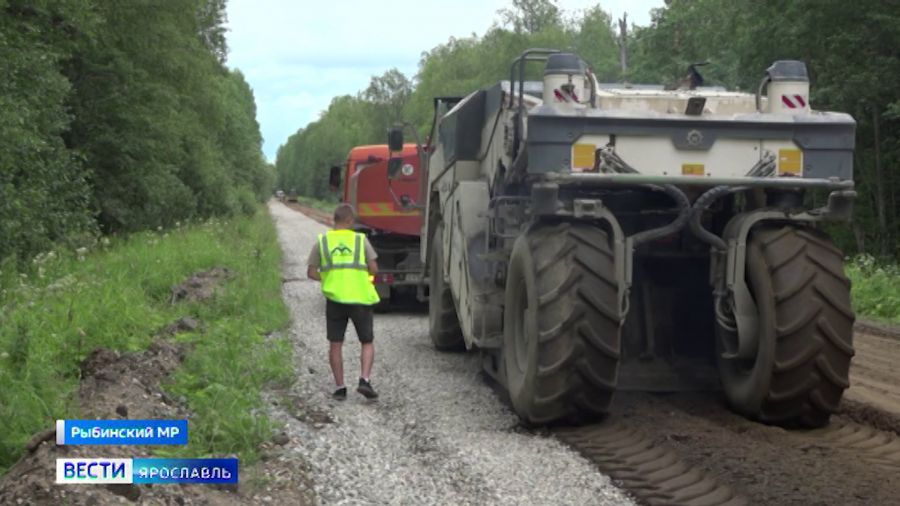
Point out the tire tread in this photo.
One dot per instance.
(579, 334)
(444, 328)
(814, 322)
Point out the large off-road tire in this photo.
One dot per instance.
(802, 363)
(443, 323)
(561, 327)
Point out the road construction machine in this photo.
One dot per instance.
(386, 214)
(589, 238)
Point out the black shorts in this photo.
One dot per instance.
(337, 314)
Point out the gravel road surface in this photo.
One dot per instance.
(439, 434)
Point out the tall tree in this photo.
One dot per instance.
(211, 19)
(388, 94)
(623, 42)
(44, 189)
(122, 115)
(532, 16)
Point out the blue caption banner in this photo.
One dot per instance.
(104, 471)
(185, 470)
(121, 432)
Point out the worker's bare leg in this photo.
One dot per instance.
(366, 357)
(336, 359)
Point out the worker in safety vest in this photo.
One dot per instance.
(344, 261)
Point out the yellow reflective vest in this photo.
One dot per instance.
(342, 264)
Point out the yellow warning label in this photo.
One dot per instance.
(790, 161)
(692, 169)
(381, 209)
(583, 157)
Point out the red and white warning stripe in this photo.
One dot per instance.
(795, 101)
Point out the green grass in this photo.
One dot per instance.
(322, 205)
(117, 297)
(876, 288)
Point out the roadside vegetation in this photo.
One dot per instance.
(64, 304)
(118, 117)
(876, 288)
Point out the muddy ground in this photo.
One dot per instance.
(875, 373)
(766, 465)
(855, 460)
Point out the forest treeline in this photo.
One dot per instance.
(120, 116)
(850, 49)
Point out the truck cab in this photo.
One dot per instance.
(387, 213)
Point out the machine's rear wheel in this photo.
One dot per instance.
(443, 323)
(561, 324)
(802, 363)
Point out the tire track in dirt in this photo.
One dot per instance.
(691, 449)
(878, 447)
(684, 448)
(875, 373)
(652, 472)
(854, 460)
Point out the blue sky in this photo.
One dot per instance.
(298, 55)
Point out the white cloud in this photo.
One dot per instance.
(298, 55)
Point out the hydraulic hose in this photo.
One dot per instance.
(677, 224)
(700, 205)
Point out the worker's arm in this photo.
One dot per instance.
(371, 258)
(312, 271)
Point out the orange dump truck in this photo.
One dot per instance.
(386, 214)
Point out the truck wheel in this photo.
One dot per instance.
(802, 364)
(561, 332)
(443, 324)
(383, 305)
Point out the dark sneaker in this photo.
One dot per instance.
(340, 394)
(366, 389)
